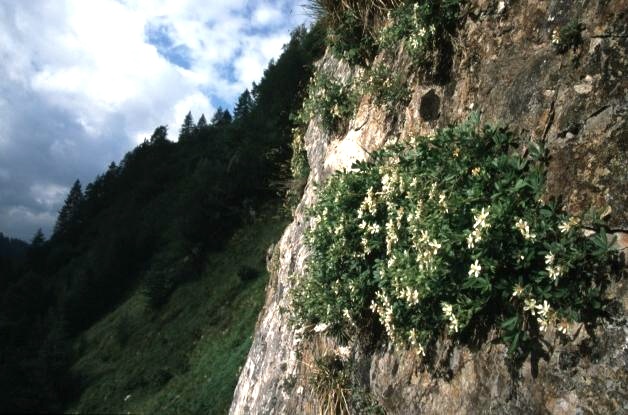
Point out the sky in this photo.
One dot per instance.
(84, 81)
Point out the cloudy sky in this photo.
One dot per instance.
(83, 81)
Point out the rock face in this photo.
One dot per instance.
(503, 65)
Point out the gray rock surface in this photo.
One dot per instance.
(503, 65)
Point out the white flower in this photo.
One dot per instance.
(543, 322)
(447, 309)
(549, 258)
(368, 204)
(432, 192)
(420, 350)
(434, 244)
(316, 220)
(476, 171)
(480, 224)
(564, 227)
(321, 327)
(412, 336)
(471, 240)
(530, 305)
(568, 224)
(517, 291)
(554, 272)
(374, 307)
(411, 296)
(524, 229)
(480, 219)
(365, 244)
(453, 324)
(555, 37)
(543, 309)
(475, 269)
(563, 326)
(374, 229)
(442, 201)
(473, 237)
(449, 313)
(344, 352)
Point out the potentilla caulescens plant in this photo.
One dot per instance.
(446, 234)
(420, 26)
(331, 99)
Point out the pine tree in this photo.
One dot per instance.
(69, 216)
(221, 117)
(160, 135)
(38, 239)
(187, 128)
(244, 106)
(202, 123)
(37, 251)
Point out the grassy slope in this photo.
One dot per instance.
(185, 357)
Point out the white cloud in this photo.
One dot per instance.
(267, 14)
(49, 195)
(81, 83)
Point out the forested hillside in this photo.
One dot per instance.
(148, 225)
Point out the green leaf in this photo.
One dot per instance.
(510, 323)
(515, 343)
(520, 185)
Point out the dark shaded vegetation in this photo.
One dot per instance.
(147, 223)
(247, 273)
(184, 357)
(12, 257)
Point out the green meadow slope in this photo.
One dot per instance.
(184, 357)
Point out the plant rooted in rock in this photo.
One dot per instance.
(450, 234)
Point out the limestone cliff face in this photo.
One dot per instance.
(504, 66)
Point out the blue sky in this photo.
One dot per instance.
(84, 81)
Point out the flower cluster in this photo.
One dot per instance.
(554, 271)
(416, 26)
(541, 311)
(330, 99)
(479, 225)
(569, 224)
(567, 37)
(384, 310)
(411, 242)
(448, 311)
(388, 88)
(524, 228)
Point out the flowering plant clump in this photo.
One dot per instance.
(447, 234)
(421, 27)
(567, 37)
(331, 99)
(299, 166)
(388, 88)
(349, 39)
(355, 34)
